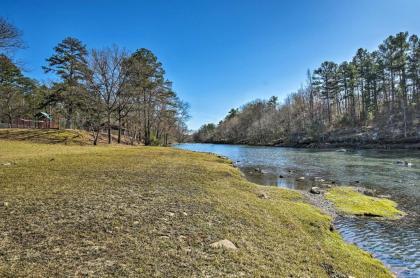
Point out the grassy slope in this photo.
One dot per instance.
(349, 201)
(112, 210)
(62, 136)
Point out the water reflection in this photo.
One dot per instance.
(395, 243)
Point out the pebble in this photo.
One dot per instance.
(263, 195)
(225, 243)
(315, 190)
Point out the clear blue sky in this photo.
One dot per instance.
(219, 54)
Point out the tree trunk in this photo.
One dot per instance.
(109, 128)
(119, 127)
(95, 137)
(69, 117)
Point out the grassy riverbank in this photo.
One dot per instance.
(120, 210)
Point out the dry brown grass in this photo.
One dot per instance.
(51, 136)
(150, 211)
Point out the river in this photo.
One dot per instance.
(396, 243)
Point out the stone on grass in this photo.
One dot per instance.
(225, 243)
(365, 191)
(263, 195)
(315, 190)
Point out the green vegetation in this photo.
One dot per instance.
(349, 201)
(122, 210)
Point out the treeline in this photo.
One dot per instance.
(373, 97)
(101, 90)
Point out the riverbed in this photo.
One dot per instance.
(388, 172)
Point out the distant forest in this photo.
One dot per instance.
(375, 97)
(100, 90)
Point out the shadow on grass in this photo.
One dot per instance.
(48, 136)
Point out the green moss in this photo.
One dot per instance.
(151, 211)
(350, 201)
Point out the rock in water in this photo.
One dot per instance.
(300, 179)
(408, 164)
(384, 196)
(315, 190)
(225, 243)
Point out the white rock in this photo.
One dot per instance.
(225, 243)
(315, 190)
(263, 195)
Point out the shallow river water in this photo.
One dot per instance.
(396, 243)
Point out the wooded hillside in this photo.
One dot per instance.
(372, 98)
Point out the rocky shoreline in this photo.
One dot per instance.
(317, 187)
(365, 138)
(383, 145)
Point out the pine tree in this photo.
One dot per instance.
(70, 63)
(327, 81)
(13, 86)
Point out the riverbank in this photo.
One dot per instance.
(120, 210)
(404, 144)
(356, 138)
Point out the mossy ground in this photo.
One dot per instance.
(349, 201)
(152, 211)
